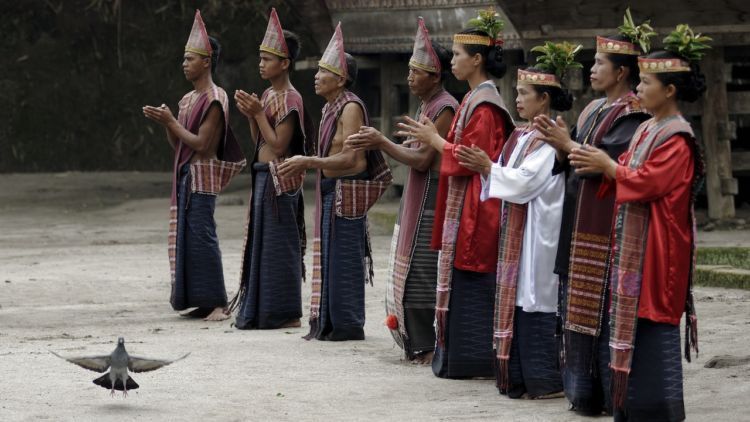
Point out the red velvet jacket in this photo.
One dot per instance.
(476, 245)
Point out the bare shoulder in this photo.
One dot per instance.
(352, 112)
(214, 113)
(445, 116)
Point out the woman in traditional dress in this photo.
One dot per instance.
(654, 184)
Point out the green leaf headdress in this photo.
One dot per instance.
(684, 42)
(639, 34)
(487, 21)
(557, 58)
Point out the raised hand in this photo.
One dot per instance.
(555, 133)
(423, 131)
(248, 104)
(162, 114)
(590, 160)
(474, 159)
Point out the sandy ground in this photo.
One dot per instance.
(83, 260)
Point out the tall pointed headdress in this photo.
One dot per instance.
(424, 56)
(198, 42)
(273, 42)
(333, 58)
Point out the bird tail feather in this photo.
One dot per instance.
(105, 382)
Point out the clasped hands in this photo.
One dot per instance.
(584, 158)
(248, 104)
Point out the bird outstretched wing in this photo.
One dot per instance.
(138, 364)
(92, 363)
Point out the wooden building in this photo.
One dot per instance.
(380, 34)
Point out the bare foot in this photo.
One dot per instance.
(555, 395)
(218, 314)
(197, 313)
(424, 358)
(292, 323)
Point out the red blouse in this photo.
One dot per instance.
(664, 181)
(476, 245)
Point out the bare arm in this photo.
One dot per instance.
(369, 138)
(171, 138)
(424, 132)
(277, 139)
(209, 131)
(162, 115)
(351, 119)
(420, 158)
(248, 105)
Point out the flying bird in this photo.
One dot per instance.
(119, 362)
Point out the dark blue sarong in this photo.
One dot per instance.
(586, 373)
(199, 275)
(343, 252)
(273, 268)
(655, 380)
(534, 365)
(468, 350)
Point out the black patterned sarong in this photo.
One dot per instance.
(343, 252)
(273, 289)
(655, 380)
(468, 335)
(533, 366)
(199, 275)
(586, 373)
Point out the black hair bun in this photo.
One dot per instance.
(693, 87)
(495, 65)
(562, 101)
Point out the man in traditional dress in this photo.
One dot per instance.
(582, 257)
(207, 156)
(349, 183)
(272, 269)
(410, 293)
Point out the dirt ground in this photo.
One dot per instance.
(83, 260)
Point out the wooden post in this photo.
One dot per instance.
(386, 93)
(507, 86)
(389, 67)
(720, 185)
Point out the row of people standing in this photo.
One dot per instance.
(596, 227)
(510, 210)
(286, 145)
